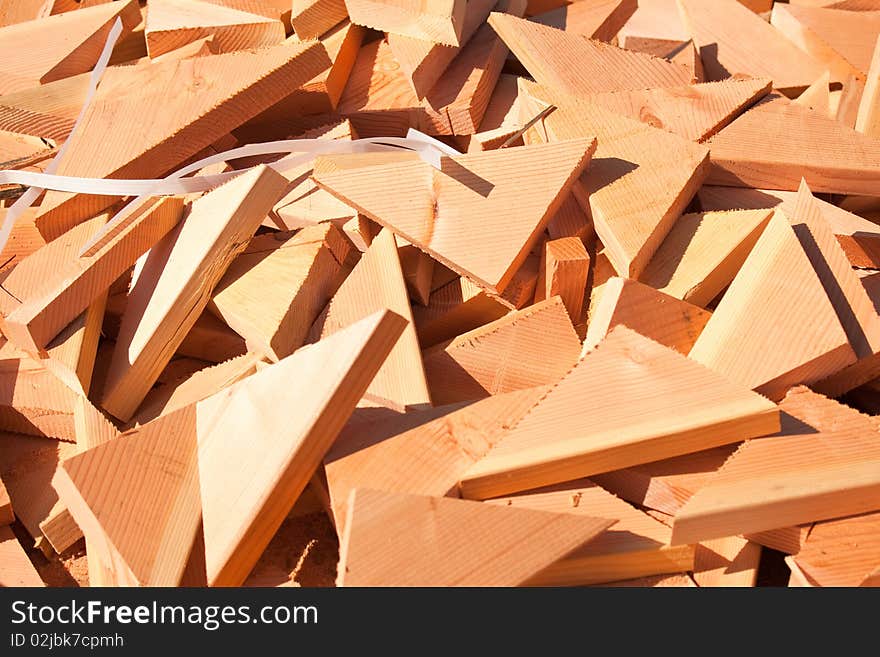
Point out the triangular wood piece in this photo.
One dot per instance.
(48, 111)
(640, 181)
(635, 546)
(175, 281)
(595, 19)
(703, 252)
(171, 24)
(868, 116)
(731, 561)
(233, 88)
(842, 552)
(418, 272)
(424, 62)
(859, 238)
(424, 452)
(530, 347)
(16, 569)
(817, 96)
(671, 322)
(777, 142)
(273, 292)
(841, 40)
(675, 406)
(733, 40)
(69, 44)
(775, 327)
(575, 65)
(438, 22)
(56, 284)
(824, 464)
(851, 302)
(657, 20)
(695, 112)
(449, 542)
(138, 496)
(254, 463)
(312, 18)
(376, 283)
(455, 308)
(499, 186)
(565, 271)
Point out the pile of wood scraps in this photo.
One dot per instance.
(602, 309)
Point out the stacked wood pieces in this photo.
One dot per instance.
(610, 320)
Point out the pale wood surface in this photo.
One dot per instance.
(731, 561)
(16, 568)
(817, 96)
(438, 21)
(312, 18)
(842, 552)
(868, 117)
(455, 308)
(565, 271)
(596, 19)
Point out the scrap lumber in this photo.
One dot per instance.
(25, 10)
(868, 117)
(6, 515)
(497, 185)
(59, 46)
(703, 252)
(824, 464)
(423, 452)
(671, 322)
(375, 283)
(449, 542)
(24, 239)
(635, 546)
(666, 484)
(71, 355)
(312, 18)
(172, 24)
(526, 348)
(777, 142)
(640, 181)
(28, 466)
(683, 53)
(817, 96)
(424, 62)
(842, 552)
(571, 220)
(595, 19)
(307, 266)
(500, 121)
(173, 127)
(418, 272)
(455, 308)
(16, 568)
(439, 21)
(559, 441)
(775, 327)
(565, 269)
(56, 284)
(575, 65)
(176, 279)
(859, 238)
(851, 302)
(677, 580)
(840, 40)
(654, 19)
(733, 40)
(48, 111)
(728, 561)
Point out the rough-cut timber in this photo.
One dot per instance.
(775, 326)
(596, 19)
(868, 117)
(312, 18)
(16, 568)
(843, 552)
(448, 542)
(674, 406)
(438, 21)
(526, 348)
(565, 270)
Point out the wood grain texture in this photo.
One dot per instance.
(635, 546)
(496, 185)
(777, 142)
(418, 272)
(565, 270)
(312, 18)
(573, 64)
(868, 117)
(175, 281)
(526, 348)
(375, 283)
(16, 568)
(671, 322)
(59, 46)
(172, 24)
(843, 552)
(455, 308)
(276, 288)
(858, 237)
(824, 464)
(25, 10)
(639, 182)
(775, 327)
(731, 561)
(449, 542)
(234, 87)
(817, 96)
(703, 252)
(422, 452)
(438, 21)
(733, 40)
(595, 19)
(560, 440)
